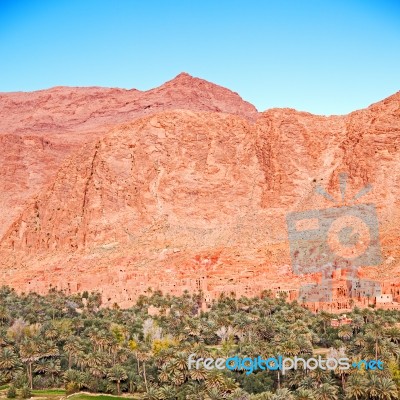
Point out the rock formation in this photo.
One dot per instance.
(185, 186)
(38, 130)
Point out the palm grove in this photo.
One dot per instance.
(69, 341)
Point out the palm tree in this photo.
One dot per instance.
(30, 352)
(131, 380)
(195, 391)
(389, 350)
(4, 316)
(345, 332)
(214, 380)
(50, 367)
(357, 322)
(367, 314)
(393, 334)
(117, 374)
(360, 340)
(152, 393)
(305, 394)
(51, 332)
(134, 348)
(96, 363)
(72, 347)
(325, 318)
(387, 389)
(96, 339)
(319, 376)
(201, 350)
(373, 386)
(283, 394)
(327, 392)
(9, 364)
(381, 388)
(290, 348)
(181, 361)
(168, 393)
(143, 356)
(198, 374)
(164, 374)
(215, 394)
(295, 377)
(356, 387)
(8, 359)
(375, 332)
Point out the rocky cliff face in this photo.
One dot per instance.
(184, 186)
(39, 130)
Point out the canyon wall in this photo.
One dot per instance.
(185, 186)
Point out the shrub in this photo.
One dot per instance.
(71, 388)
(11, 392)
(20, 380)
(39, 382)
(26, 392)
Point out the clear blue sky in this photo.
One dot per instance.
(325, 56)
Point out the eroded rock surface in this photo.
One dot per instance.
(181, 187)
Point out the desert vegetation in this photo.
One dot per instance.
(69, 341)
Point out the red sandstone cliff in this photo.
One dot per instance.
(38, 130)
(184, 186)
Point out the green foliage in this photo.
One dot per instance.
(11, 392)
(26, 392)
(69, 341)
(71, 387)
(256, 383)
(395, 372)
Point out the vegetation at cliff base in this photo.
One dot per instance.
(66, 342)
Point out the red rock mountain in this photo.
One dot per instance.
(38, 130)
(185, 186)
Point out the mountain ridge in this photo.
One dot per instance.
(183, 198)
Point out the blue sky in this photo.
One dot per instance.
(325, 57)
